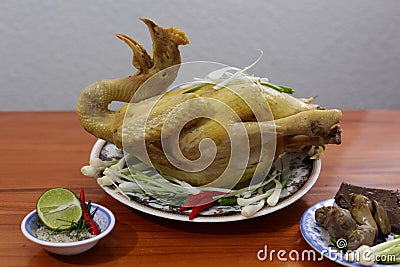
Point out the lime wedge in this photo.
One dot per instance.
(58, 208)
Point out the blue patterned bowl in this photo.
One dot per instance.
(103, 217)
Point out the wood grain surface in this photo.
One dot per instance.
(44, 150)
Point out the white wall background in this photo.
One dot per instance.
(346, 52)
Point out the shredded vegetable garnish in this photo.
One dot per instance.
(131, 179)
(230, 76)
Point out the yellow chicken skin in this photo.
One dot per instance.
(191, 133)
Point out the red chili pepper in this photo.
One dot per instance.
(93, 227)
(204, 204)
(199, 202)
(190, 204)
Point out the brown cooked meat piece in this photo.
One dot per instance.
(389, 199)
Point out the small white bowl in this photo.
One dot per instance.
(104, 218)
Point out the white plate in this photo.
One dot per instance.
(307, 174)
(318, 238)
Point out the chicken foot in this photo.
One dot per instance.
(311, 123)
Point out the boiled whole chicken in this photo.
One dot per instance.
(195, 133)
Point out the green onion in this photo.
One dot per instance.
(227, 201)
(193, 89)
(250, 210)
(273, 199)
(250, 188)
(279, 88)
(387, 253)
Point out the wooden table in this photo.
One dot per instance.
(44, 150)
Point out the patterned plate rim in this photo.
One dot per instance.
(316, 169)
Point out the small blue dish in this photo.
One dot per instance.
(104, 218)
